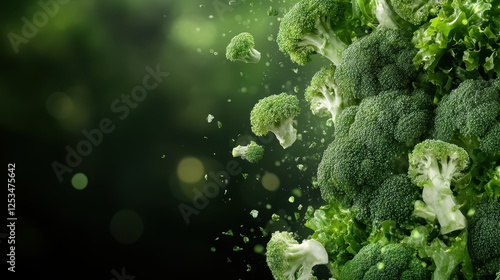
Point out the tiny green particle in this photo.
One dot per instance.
(291, 199)
(254, 213)
(275, 217)
(297, 215)
(297, 192)
(229, 233)
(272, 12)
(259, 249)
(237, 248)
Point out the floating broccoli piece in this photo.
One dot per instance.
(290, 260)
(309, 28)
(323, 96)
(242, 48)
(380, 61)
(484, 241)
(434, 165)
(276, 113)
(252, 152)
(389, 262)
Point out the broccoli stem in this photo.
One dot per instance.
(285, 132)
(440, 198)
(253, 56)
(332, 100)
(325, 41)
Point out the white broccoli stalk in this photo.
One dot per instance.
(276, 113)
(290, 260)
(434, 164)
(323, 94)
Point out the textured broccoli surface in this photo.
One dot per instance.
(352, 168)
(380, 61)
(389, 262)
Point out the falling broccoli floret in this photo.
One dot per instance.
(276, 113)
(434, 165)
(252, 152)
(242, 48)
(290, 260)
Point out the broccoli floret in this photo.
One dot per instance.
(469, 114)
(484, 241)
(416, 12)
(380, 61)
(323, 95)
(394, 200)
(391, 261)
(252, 152)
(289, 260)
(434, 165)
(242, 48)
(309, 28)
(276, 113)
(353, 167)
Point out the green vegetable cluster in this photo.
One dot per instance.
(410, 180)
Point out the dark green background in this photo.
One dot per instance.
(93, 52)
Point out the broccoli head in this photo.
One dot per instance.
(242, 48)
(434, 165)
(276, 113)
(391, 261)
(290, 260)
(484, 241)
(394, 200)
(416, 12)
(469, 114)
(352, 167)
(252, 152)
(379, 61)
